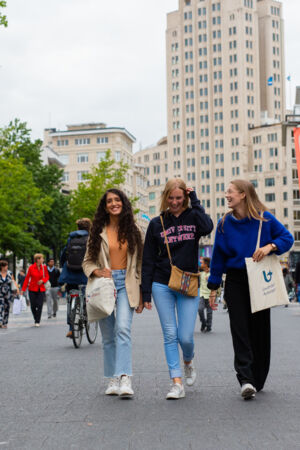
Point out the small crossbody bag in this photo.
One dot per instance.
(184, 282)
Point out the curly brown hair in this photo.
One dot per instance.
(127, 231)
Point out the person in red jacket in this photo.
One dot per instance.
(35, 280)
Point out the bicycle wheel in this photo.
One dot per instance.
(77, 324)
(91, 329)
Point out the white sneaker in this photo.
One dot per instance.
(113, 387)
(190, 373)
(37, 325)
(248, 391)
(126, 390)
(176, 391)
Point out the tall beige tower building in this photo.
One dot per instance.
(220, 56)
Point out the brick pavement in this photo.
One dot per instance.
(51, 395)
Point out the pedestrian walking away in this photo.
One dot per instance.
(235, 239)
(206, 322)
(115, 238)
(36, 278)
(71, 259)
(52, 291)
(184, 225)
(289, 284)
(7, 287)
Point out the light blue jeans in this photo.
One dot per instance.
(178, 329)
(116, 332)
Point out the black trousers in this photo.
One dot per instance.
(251, 333)
(36, 303)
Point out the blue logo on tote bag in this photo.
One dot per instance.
(267, 277)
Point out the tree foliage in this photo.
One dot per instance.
(22, 208)
(3, 18)
(106, 175)
(50, 228)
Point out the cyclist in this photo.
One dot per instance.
(71, 262)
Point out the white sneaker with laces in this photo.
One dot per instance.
(176, 391)
(248, 391)
(126, 390)
(113, 387)
(190, 373)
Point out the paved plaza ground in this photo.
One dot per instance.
(51, 394)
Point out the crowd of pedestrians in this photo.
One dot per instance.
(112, 246)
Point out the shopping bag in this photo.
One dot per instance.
(17, 306)
(100, 298)
(266, 283)
(23, 303)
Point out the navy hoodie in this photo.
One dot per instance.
(183, 235)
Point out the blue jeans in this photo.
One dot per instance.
(298, 292)
(116, 332)
(176, 330)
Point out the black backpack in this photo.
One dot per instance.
(76, 251)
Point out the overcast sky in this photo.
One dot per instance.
(74, 61)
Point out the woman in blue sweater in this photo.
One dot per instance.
(184, 226)
(235, 239)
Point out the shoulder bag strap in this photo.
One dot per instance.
(259, 232)
(166, 240)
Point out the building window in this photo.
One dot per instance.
(65, 177)
(82, 141)
(152, 210)
(269, 182)
(118, 156)
(102, 140)
(254, 182)
(270, 197)
(80, 175)
(101, 156)
(151, 195)
(62, 142)
(82, 158)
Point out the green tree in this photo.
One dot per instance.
(22, 208)
(3, 19)
(106, 175)
(15, 142)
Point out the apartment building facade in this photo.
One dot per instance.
(82, 146)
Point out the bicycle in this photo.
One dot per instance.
(79, 319)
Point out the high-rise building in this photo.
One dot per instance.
(219, 64)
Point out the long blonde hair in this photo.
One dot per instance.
(169, 187)
(253, 205)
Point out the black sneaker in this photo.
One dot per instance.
(208, 329)
(54, 315)
(202, 329)
(49, 317)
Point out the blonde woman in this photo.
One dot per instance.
(235, 239)
(184, 226)
(37, 276)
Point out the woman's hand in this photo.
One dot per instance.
(148, 305)
(189, 190)
(40, 282)
(212, 300)
(105, 273)
(262, 252)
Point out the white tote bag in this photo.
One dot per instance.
(100, 297)
(17, 306)
(266, 283)
(23, 303)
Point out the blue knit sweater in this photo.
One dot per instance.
(237, 240)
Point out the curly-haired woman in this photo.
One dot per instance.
(115, 237)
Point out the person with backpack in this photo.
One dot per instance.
(71, 261)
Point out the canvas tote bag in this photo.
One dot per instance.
(266, 283)
(100, 296)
